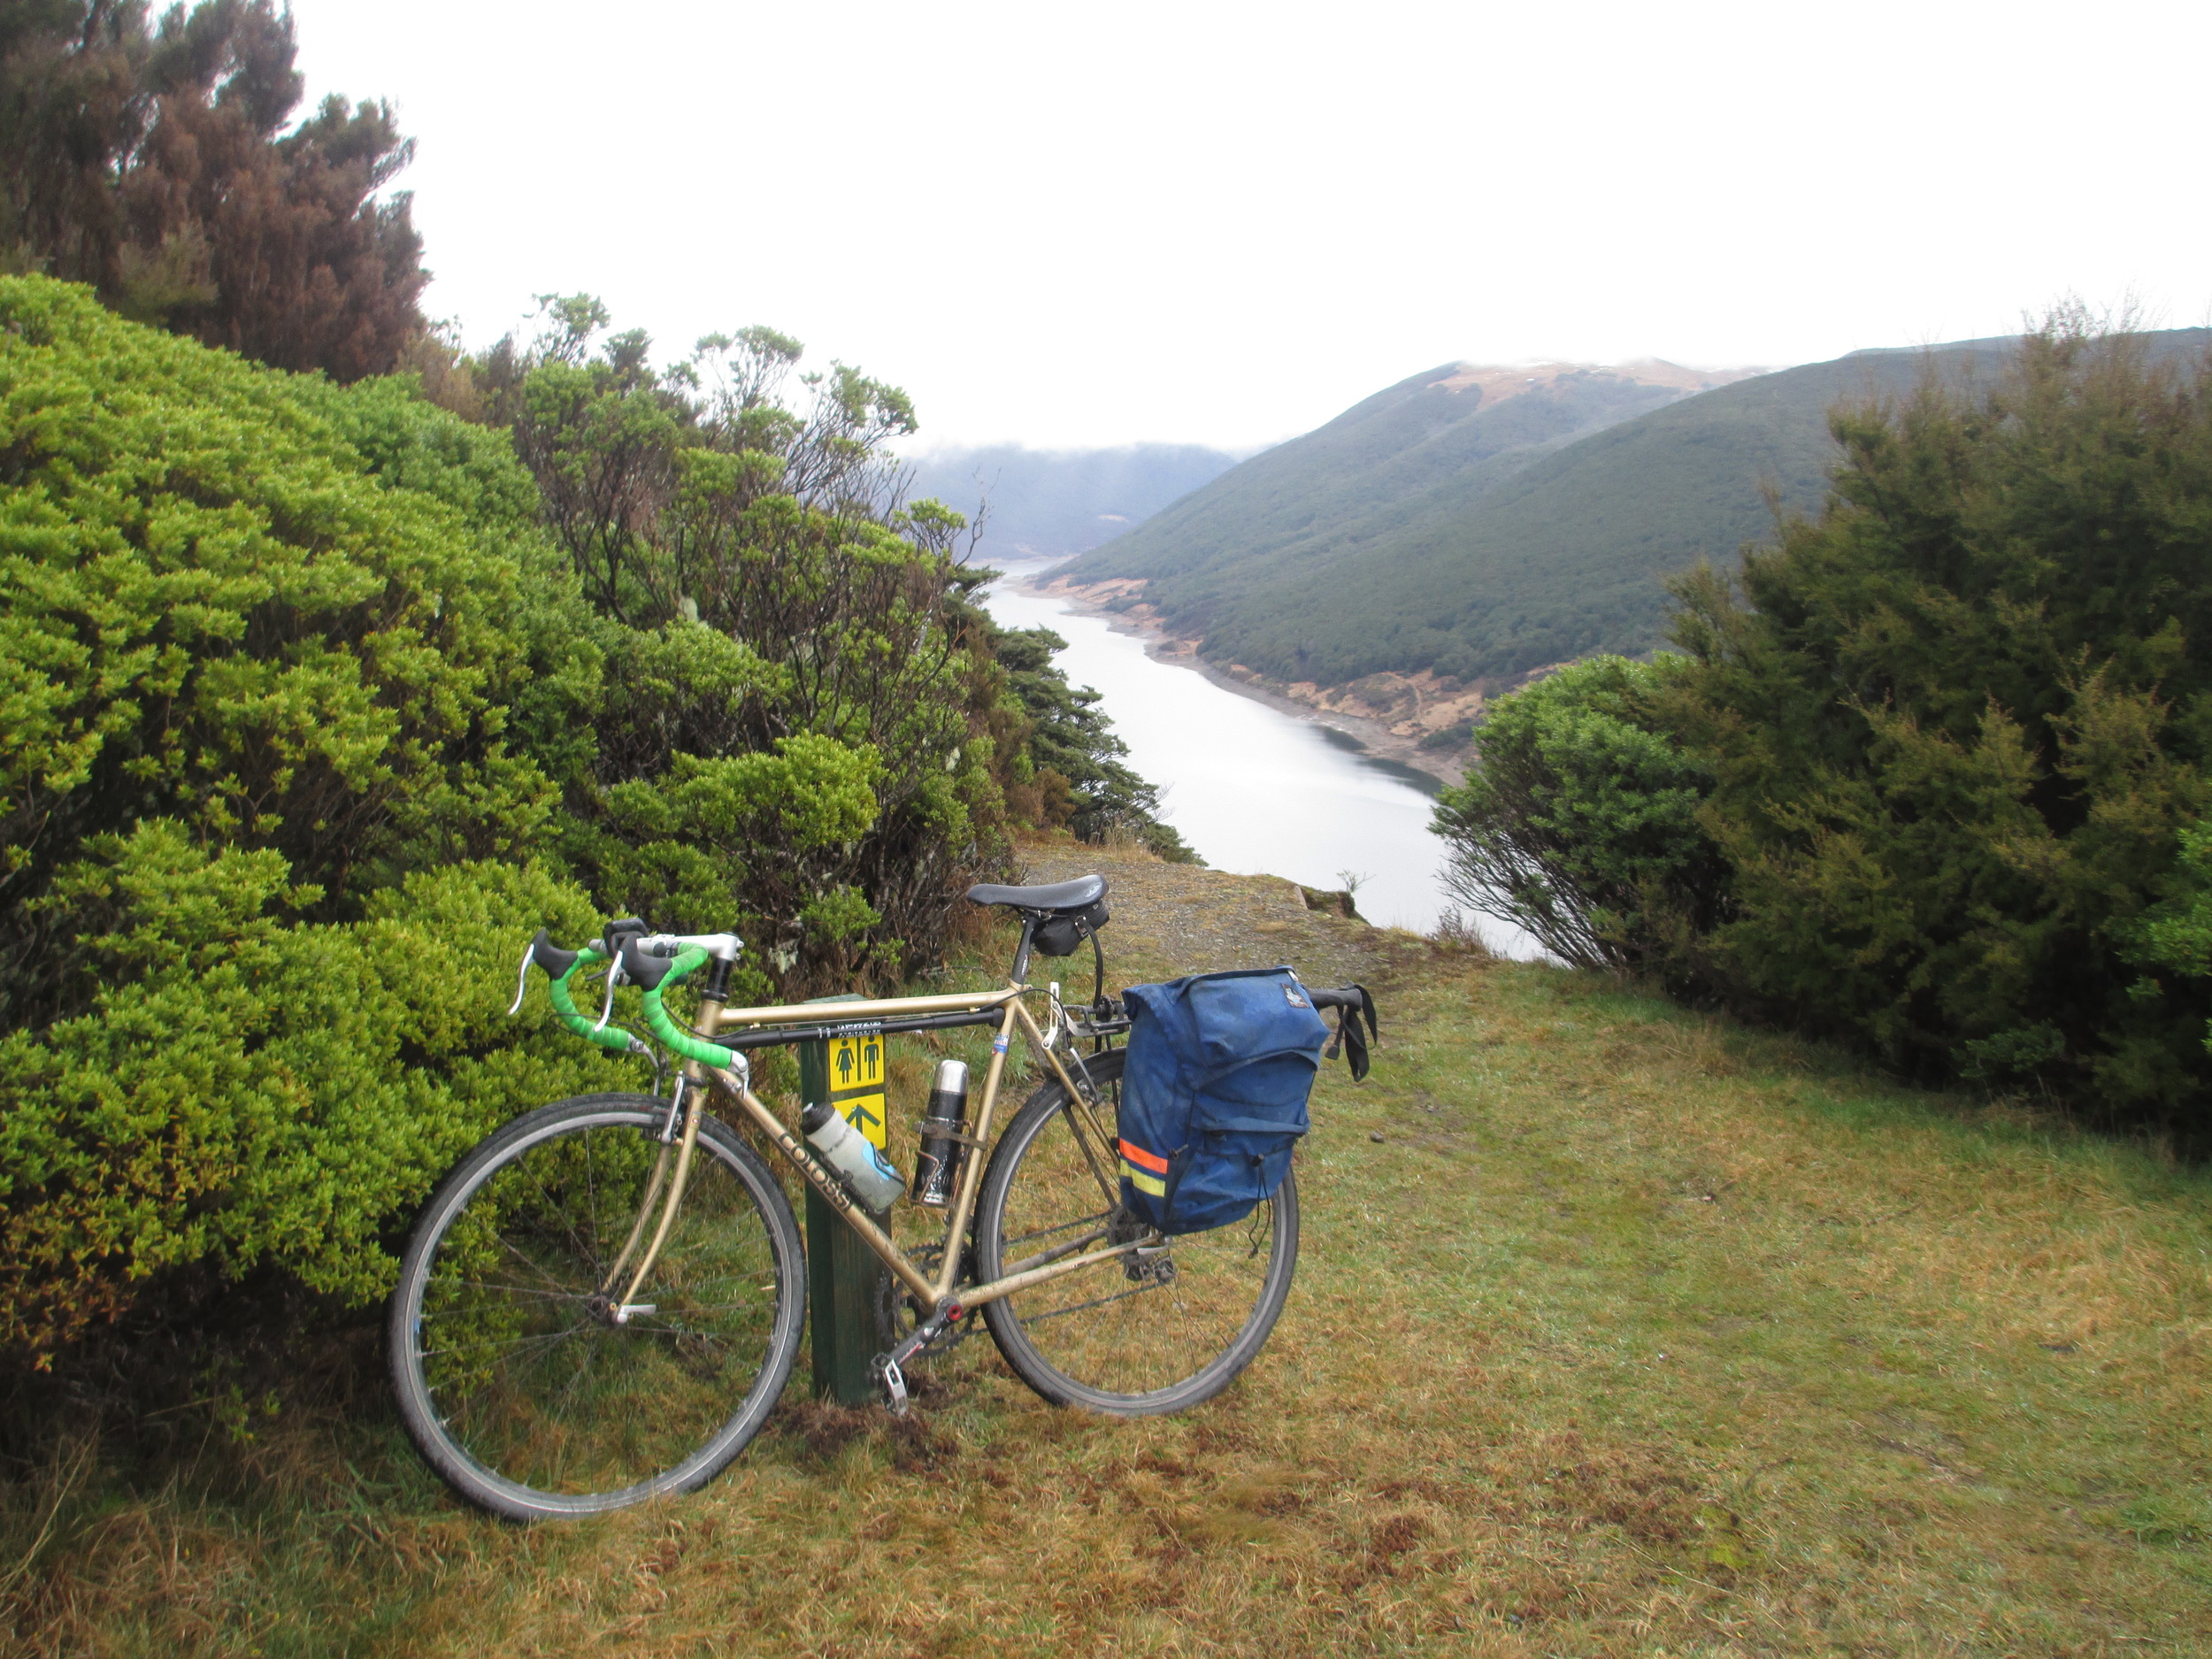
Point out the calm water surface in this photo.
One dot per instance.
(1254, 790)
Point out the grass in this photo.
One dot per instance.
(1618, 1330)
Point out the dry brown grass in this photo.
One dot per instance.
(1633, 1334)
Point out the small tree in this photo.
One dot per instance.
(152, 162)
(800, 733)
(1578, 821)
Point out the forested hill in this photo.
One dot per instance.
(1415, 455)
(1481, 542)
(1048, 503)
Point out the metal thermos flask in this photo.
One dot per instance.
(937, 1165)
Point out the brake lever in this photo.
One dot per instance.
(522, 978)
(614, 976)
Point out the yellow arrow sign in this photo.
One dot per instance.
(856, 1079)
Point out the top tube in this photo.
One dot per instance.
(882, 1008)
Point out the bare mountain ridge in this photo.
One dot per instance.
(1498, 381)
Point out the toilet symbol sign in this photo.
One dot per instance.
(855, 1071)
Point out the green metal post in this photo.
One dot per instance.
(842, 1275)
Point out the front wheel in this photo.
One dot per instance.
(515, 1376)
(1149, 1333)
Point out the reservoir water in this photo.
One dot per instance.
(1254, 790)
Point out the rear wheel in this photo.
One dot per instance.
(514, 1376)
(1142, 1334)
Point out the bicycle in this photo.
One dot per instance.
(537, 1381)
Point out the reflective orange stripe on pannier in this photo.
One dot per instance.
(1143, 1170)
(1152, 1161)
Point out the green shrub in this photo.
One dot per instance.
(1935, 778)
(315, 702)
(266, 647)
(796, 702)
(1962, 719)
(244, 1092)
(1578, 821)
(211, 612)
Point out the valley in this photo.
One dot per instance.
(1452, 536)
(1255, 782)
(1420, 719)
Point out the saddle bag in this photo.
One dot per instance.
(1213, 1094)
(1060, 933)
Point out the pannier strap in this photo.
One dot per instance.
(1351, 1002)
(1242, 1126)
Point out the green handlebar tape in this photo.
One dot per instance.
(580, 1024)
(680, 1041)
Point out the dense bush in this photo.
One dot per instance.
(306, 723)
(803, 733)
(1953, 731)
(250, 692)
(211, 612)
(243, 1090)
(1580, 823)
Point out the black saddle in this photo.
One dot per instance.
(1080, 894)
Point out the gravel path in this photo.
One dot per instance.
(1173, 919)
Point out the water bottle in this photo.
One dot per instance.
(845, 1149)
(937, 1166)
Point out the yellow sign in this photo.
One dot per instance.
(856, 1080)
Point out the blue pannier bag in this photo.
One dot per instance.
(1213, 1094)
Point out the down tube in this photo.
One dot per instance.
(833, 1190)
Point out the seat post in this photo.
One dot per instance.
(1021, 951)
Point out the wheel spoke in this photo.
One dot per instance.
(531, 1262)
(544, 1340)
(582, 1248)
(1057, 1253)
(1126, 1348)
(525, 1291)
(537, 1395)
(1084, 1306)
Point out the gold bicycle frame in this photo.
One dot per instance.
(934, 1295)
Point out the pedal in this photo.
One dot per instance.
(886, 1367)
(629, 1311)
(894, 1381)
(1150, 1264)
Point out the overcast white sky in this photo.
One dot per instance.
(1222, 223)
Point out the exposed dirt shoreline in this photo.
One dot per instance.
(1373, 736)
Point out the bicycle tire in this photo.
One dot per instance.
(527, 1400)
(1122, 1338)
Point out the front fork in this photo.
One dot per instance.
(620, 1309)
